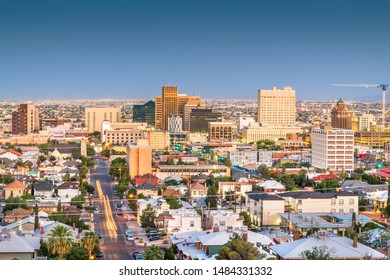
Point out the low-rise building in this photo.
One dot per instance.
(238, 188)
(14, 189)
(314, 202)
(197, 191)
(272, 186)
(264, 208)
(223, 219)
(158, 205)
(182, 220)
(147, 189)
(341, 248)
(68, 189)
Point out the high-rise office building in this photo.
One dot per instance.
(94, 117)
(200, 118)
(172, 103)
(333, 148)
(25, 119)
(277, 106)
(341, 117)
(139, 158)
(145, 113)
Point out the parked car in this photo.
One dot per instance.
(99, 255)
(152, 232)
(99, 235)
(139, 257)
(154, 237)
(135, 254)
(130, 237)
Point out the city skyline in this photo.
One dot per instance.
(96, 49)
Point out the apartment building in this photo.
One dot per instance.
(333, 149)
(94, 117)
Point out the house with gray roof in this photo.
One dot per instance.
(14, 247)
(341, 248)
(44, 189)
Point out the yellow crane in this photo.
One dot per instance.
(381, 86)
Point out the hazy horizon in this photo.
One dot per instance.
(216, 49)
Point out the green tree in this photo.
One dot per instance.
(211, 198)
(121, 188)
(90, 151)
(148, 217)
(78, 200)
(60, 241)
(36, 218)
(318, 253)
(247, 218)
(227, 162)
(77, 252)
(13, 203)
(173, 203)
(171, 183)
(169, 255)
(41, 159)
(239, 249)
(170, 161)
(263, 170)
(66, 177)
(154, 252)
(89, 241)
(288, 181)
(353, 222)
(328, 185)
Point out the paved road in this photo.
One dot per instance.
(113, 242)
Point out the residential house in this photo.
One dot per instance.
(11, 155)
(72, 171)
(342, 248)
(315, 202)
(158, 205)
(17, 214)
(171, 193)
(147, 178)
(68, 189)
(264, 208)
(147, 189)
(44, 189)
(277, 235)
(14, 189)
(14, 247)
(322, 177)
(307, 223)
(197, 191)
(182, 220)
(272, 186)
(237, 188)
(223, 219)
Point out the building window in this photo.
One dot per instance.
(341, 210)
(341, 202)
(351, 210)
(192, 223)
(351, 201)
(299, 201)
(332, 210)
(299, 210)
(333, 201)
(222, 223)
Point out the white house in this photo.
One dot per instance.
(182, 220)
(239, 188)
(340, 247)
(224, 219)
(11, 155)
(68, 189)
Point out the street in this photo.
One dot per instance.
(111, 226)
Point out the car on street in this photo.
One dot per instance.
(99, 235)
(99, 255)
(129, 232)
(135, 254)
(130, 237)
(154, 237)
(139, 257)
(152, 232)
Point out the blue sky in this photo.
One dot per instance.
(217, 49)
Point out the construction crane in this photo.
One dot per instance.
(382, 86)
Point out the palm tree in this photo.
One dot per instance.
(154, 253)
(60, 240)
(89, 241)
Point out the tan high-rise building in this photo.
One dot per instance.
(221, 131)
(139, 158)
(277, 106)
(172, 103)
(25, 119)
(94, 117)
(341, 117)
